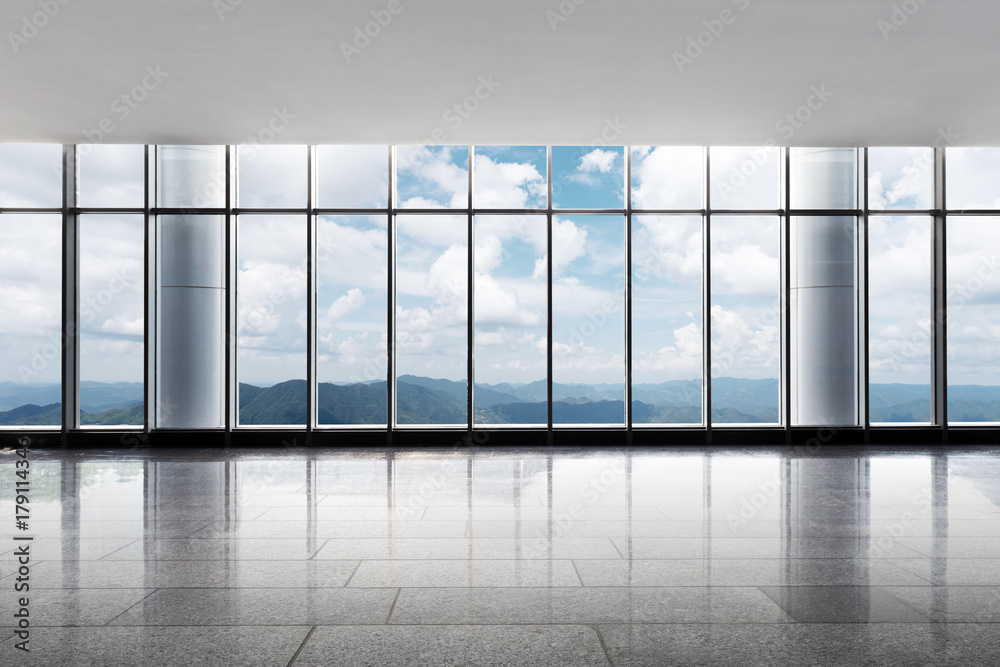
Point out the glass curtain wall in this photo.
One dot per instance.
(449, 286)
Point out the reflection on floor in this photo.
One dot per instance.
(506, 557)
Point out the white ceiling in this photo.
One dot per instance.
(231, 63)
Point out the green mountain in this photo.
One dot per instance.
(421, 400)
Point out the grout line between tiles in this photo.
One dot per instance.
(305, 641)
(119, 549)
(323, 546)
(388, 619)
(353, 572)
(573, 563)
(138, 602)
(604, 646)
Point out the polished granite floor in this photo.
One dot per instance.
(505, 557)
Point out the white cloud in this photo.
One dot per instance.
(504, 303)
(742, 348)
(352, 176)
(682, 358)
(272, 176)
(507, 184)
(668, 247)
(431, 169)
(900, 177)
(744, 177)
(569, 242)
(667, 177)
(598, 160)
(347, 303)
(121, 324)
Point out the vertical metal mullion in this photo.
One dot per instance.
(786, 295)
(864, 371)
(470, 341)
(390, 351)
(148, 296)
(231, 405)
(70, 295)
(312, 389)
(628, 297)
(548, 287)
(939, 316)
(706, 299)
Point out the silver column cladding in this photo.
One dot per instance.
(823, 288)
(191, 290)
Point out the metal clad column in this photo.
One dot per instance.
(823, 288)
(190, 388)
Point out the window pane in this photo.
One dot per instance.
(665, 177)
(30, 175)
(352, 263)
(31, 325)
(588, 311)
(510, 320)
(667, 346)
(111, 319)
(431, 319)
(973, 178)
(272, 176)
(900, 178)
(432, 177)
(271, 303)
(191, 176)
(112, 176)
(823, 178)
(973, 319)
(746, 319)
(588, 177)
(510, 177)
(899, 319)
(352, 176)
(745, 177)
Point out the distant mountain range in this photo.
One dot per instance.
(422, 400)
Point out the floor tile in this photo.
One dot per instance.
(486, 548)
(957, 572)
(760, 547)
(479, 646)
(70, 548)
(333, 529)
(799, 644)
(219, 549)
(193, 574)
(841, 604)
(161, 647)
(584, 605)
(258, 606)
(464, 573)
(745, 572)
(326, 513)
(952, 604)
(52, 608)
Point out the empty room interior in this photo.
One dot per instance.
(570, 332)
